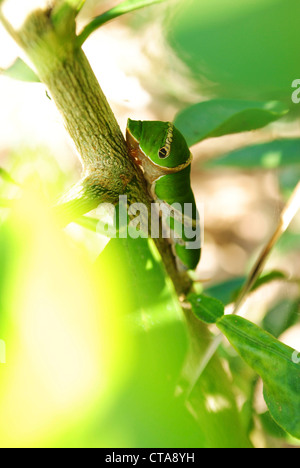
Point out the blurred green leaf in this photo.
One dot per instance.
(270, 425)
(213, 401)
(125, 7)
(281, 316)
(224, 291)
(267, 277)
(147, 409)
(223, 116)
(288, 242)
(279, 153)
(227, 291)
(207, 309)
(289, 177)
(152, 304)
(65, 352)
(19, 70)
(243, 50)
(264, 279)
(275, 364)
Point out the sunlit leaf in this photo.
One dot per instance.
(223, 116)
(65, 349)
(19, 70)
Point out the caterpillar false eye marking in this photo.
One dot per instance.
(165, 151)
(166, 161)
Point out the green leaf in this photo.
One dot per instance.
(264, 279)
(268, 278)
(227, 291)
(277, 364)
(207, 309)
(224, 291)
(19, 70)
(281, 317)
(272, 155)
(288, 242)
(288, 178)
(137, 272)
(270, 426)
(125, 7)
(239, 49)
(219, 117)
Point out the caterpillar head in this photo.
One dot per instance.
(160, 142)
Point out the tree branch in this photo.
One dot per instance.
(108, 170)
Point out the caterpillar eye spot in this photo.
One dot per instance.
(163, 153)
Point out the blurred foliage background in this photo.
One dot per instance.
(77, 377)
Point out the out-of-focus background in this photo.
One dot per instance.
(151, 64)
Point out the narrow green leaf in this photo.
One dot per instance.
(264, 279)
(19, 70)
(281, 316)
(219, 117)
(207, 309)
(272, 155)
(125, 7)
(225, 290)
(268, 278)
(228, 290)
(277, 364)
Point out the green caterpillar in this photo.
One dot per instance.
(162, 152)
